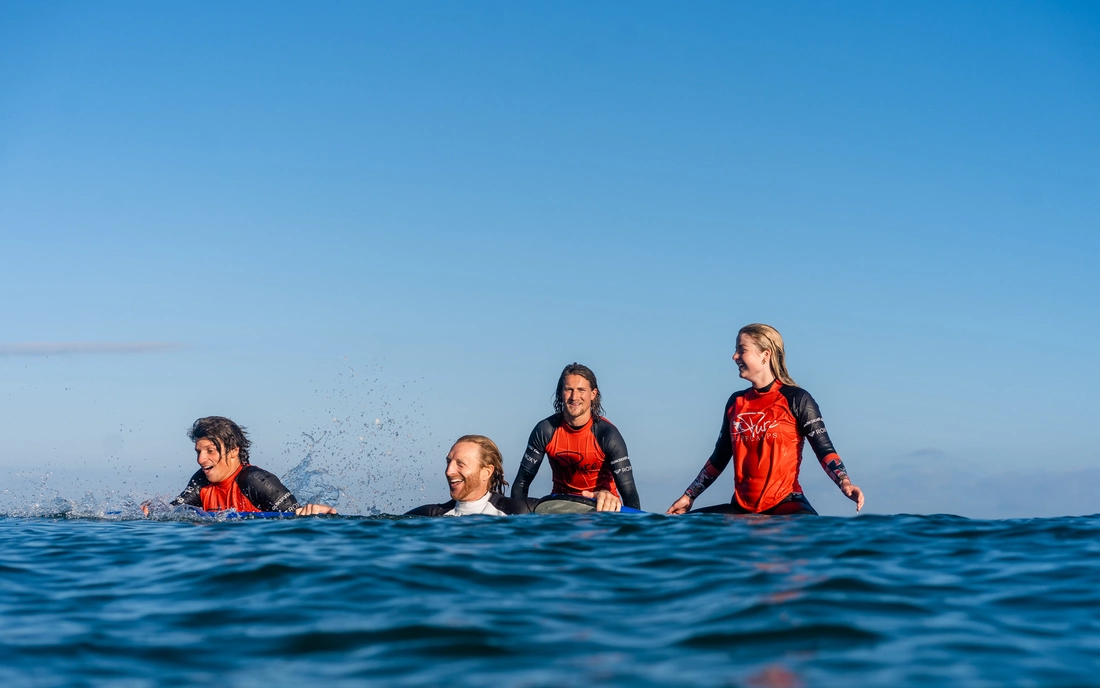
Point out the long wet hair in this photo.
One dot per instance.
(489, 455)
(224, 433)
(585, 372)
(767, 338)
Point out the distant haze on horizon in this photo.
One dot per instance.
(364, 229)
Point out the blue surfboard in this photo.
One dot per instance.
(224, 515)
(231, 515)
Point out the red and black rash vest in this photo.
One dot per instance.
(591, 457)
(248, 489)
(763, 432)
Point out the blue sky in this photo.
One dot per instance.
(312, 218)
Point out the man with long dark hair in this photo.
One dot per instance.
(588, 456)
(226, 479)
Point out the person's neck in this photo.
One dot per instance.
(232, 474)
(763, 385)
(579, 422)
(484, 495)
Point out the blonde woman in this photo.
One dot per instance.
(763, 430)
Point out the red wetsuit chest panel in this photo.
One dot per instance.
(578, 462)
(226, 495)
(767, 449)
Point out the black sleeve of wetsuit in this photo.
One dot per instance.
(532, 458)
(719, 458)
(192, 494)
(812, 427)
(512, 506)
(614, 450)
(265, 491)
(431, 509)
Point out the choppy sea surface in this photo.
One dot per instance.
(597, 599)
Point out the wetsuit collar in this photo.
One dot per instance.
(565, 424)
(766, 388)
(475, 506)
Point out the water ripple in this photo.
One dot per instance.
(597, 599)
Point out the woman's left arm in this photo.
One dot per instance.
(812, 427)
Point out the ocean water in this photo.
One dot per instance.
(597, 599)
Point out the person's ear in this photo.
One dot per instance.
(234, 453)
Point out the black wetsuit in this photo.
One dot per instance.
(795, 503)
(508, 505)
(250, 489)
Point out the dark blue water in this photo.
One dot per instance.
(607, 600)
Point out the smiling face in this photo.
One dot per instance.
(467, 478)
(753, 363)
(215, 466)
(577, 396)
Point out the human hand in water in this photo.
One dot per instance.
(151, 505)
(681, 505)
(605, 500)
(314, 510)
(852, 492)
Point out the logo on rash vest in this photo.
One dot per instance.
(623, 469)
(752, 424)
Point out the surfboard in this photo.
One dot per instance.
(573, 504)
(230, 515)
(226, 515)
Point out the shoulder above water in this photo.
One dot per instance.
(509, 506)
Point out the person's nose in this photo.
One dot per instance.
(452, 471)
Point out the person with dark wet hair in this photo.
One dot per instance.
(226, 434)
(475, 478)
(587, 453)
(226, 478)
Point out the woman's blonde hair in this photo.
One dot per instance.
(767, 338)
(489, 455)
